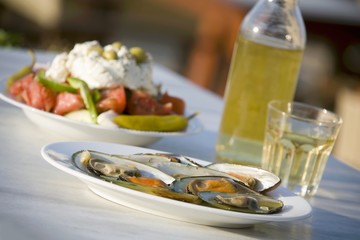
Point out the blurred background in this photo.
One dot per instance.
(195, 38)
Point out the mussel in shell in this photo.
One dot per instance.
(156, 191)
(242, 202)
(227, 194)
(101, 164)
(112, 170)
(197, 184)
(258, 179)
(129, 174)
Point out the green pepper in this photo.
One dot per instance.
(23, 71)
(85, 95)
(156, 123)
(55, 86)
(96, 95)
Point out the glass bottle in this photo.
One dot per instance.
(264, 66)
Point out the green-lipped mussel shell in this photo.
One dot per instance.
(242, 202)
(157, 191)
(265, 180)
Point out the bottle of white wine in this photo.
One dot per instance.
(265, 66)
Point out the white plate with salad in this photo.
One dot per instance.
(103, 93)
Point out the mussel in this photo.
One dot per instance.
(242, 202)
(197, 184)
(111, 169)
(156, 191)
(225, 193)
(258, 179)
(101, 164)
(129, 174)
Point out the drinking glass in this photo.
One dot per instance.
(298, 141)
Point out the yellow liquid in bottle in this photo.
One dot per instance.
(258, 74)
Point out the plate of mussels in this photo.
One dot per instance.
(176, 186)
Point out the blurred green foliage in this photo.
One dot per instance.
(8, 39)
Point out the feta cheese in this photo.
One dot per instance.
(57, 70)
(98, 72)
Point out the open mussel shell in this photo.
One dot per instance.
(112, 168)
(106, 168)
(225, 193)
(156, 191)
(197, 184)
(98, 163)
(242, 202)
(258, 179)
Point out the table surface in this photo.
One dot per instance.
(37, 201)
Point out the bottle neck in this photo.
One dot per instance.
(289, 4)
(275, 22)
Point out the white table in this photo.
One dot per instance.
(37, 201)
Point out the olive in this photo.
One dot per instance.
(139, 54)
(110, 55)
(97, 49)
(117, 45)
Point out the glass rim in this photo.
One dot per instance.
(276, 105)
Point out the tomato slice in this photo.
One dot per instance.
(33, 93)
(178, 105)
(18, 87)
(141, 103)
(112, 99)
(67, 102)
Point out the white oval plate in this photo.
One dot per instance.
(77, 130)
(59, 155)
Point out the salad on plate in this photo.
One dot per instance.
(109, 85)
